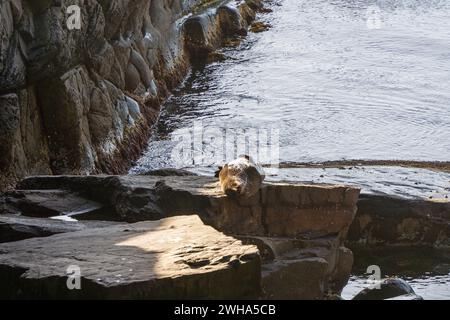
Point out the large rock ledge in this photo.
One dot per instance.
(299, 231)
(401, 221)
(172, 258)
(398, 206)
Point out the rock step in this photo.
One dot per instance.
(387, 220)
(15, 228)
(279, 210)
(173, 258)
(285, 261)
(53, 202)
(295, 279)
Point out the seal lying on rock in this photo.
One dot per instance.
(241, 177)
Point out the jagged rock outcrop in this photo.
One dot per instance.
(299, 230)
(174, 258)
(72, 100)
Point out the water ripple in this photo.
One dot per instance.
(335, 88)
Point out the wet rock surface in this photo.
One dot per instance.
(301, 243)
(407, 297)
(379, 180)
(402, 223)
(397, 206)
(425, 269)
(388, 289)
(172, 258)
(168, 172)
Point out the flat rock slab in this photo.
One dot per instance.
(48, 203)
(397, 206)
(15, 227)
(408, 183)
(176, 258)
(279, 209)
(384, 220)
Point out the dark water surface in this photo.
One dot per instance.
(427, 271)
(339, 79)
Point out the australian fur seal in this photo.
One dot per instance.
(241, 177)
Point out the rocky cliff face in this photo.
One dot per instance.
(72, 99)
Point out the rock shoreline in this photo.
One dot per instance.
(298, 235)
(84, 101)
(292, 235)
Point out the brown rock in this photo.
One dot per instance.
(257, 27)
(15, 228)
(281, 210)
(281, 255)
(176, 258)
(391, 220)
(301, 279)
(307, 223)
(342, 270)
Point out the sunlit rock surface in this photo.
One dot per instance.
(174, 258)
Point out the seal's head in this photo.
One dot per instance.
(241, 177)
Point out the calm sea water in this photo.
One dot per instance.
(340, 79)
(331, 80)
